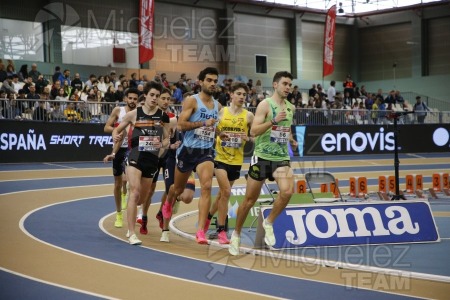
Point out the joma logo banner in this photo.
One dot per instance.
(354, 224)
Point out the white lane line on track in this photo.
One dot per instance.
(22, 227)
(62, 166)
(55, 284)
(415, 155)
(58, 177)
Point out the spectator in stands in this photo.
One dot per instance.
(294, 97)
(250, 84)
(94, 107)
(259, 88)
(65, 76)
(34, 73)
(16, 84)
(3, 73)
(374, 112)
(57, 113)
(57, 74)
(112, 78)
(420, 110)
(348, 100)
(140, 88)
(380, 96)
(109, 97)
(23, 72)
(369, 101)
(119, 81)
(14, 109)
(331, 92)
(84, 113)
(55, 89)
(363, 91)
(33, 96)
(62, 96)
(67, 88)
(28, 82)
(224, 96)
(101, 84)
(399, 98)
(41, 83)
(70, 113)
(349, 86)
(76, 82)
(40, 113)
(108, 82)
(125, 84)
(177, 92)
(118, 94)
(8, 86)
(134, 81)
(90, 82)
(164, 80)
(10, 71)
(313, 90)
(390, 99)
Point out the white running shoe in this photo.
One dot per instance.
(134, 240)
(235, 242)
(269, 237)
(164, 237)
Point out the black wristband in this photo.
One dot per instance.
(274, 122)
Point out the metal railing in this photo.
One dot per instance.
(98, 112)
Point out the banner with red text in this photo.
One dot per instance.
(146, 14)
(328, 45)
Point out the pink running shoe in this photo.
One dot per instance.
(207, 223)
(200, 236)
(167, 210)
(223, 238)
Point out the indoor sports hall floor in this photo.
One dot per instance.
(58, 241)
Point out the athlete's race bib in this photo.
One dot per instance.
(205, 134)
(149, 143)
(280, 134)
(234, 141)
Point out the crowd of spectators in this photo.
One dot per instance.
(68, 98)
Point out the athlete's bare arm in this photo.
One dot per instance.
(258, 124)
(113, 117)
(128, 119)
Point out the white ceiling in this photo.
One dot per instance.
(352, 6)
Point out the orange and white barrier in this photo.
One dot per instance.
(413, 183)
(358, 186)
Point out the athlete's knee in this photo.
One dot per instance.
(224, 194)
(286, 193)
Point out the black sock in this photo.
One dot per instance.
(144, 218)
(165, 230)
(221, 228)
(209, 216)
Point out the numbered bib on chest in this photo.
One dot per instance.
(234, 141)
(280, 134)
(149, 143)
(205, 134)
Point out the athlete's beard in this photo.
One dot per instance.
(131, 105)
(207, 92)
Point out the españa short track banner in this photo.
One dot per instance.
(353, 224)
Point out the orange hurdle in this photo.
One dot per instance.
(301, 186)
(436, 182)
(440, 181)
(414, 182)
(382, 183)
(358, 186)
(391, 184)
(333, 189)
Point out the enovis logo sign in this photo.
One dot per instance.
(58, 12)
